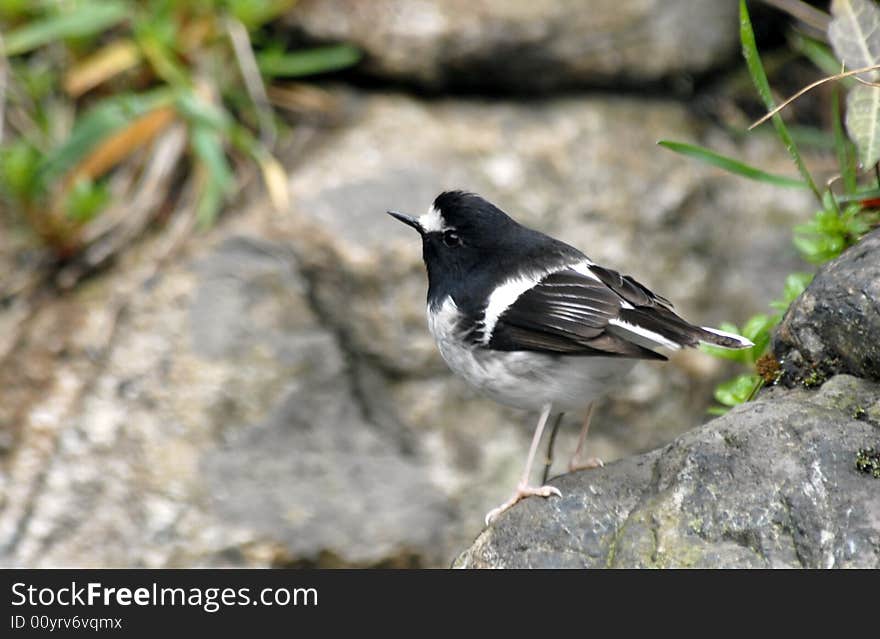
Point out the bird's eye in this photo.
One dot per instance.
(450, 238)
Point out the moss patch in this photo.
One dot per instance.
(768, 368)
(868, 462)
(814, 379)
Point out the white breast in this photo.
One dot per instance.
(524, 379)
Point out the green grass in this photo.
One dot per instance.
(95, 86)
(841, 221)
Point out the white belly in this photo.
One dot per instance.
(526, 379)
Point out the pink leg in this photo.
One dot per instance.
(523, 489)
(590, 462)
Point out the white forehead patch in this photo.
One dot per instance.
(432, 221)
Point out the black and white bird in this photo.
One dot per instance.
(534, 323)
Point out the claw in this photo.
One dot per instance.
(521, 493)
(591, 462)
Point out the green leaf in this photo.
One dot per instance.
(208, 148)
(210, 201)
(868, 194)
(819, 249)
(82, 19)
(854, 32)
(19, 165)
(100, 121)
(201, 112)
(795, 285)
(842, 146)
(13, 10)
(732, 166)
(757, 325)
(737, 390)
(157, 47)
(741, 355)
(86, 199)
(274, 63)
(854, 223)
(759, 77)
(255, 13)
(863, 122)
(757, 329)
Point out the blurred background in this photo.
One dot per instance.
(213, 348)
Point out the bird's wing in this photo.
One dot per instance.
(567, 312)
(628, 289)
(591, 310)
(649, 320)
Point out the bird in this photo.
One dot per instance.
(534, 323)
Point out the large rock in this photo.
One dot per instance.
(834, 327)
(771, 484)
(526, 44)
(215, 422)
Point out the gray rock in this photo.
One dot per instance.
(834, 327)
(771, 484)
(526, 44)
(319, 481)
(217, 426)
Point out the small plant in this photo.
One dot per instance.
(843, 218)
(868, 462)
(138, 104)
(758, 328)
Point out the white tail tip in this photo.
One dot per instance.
(741, 341)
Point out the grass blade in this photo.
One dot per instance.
(308, 62)
(109, 61)
(122, 143)
(82, 20)
(759, 77)
(105, 118)
(870, 194)
(218, 176)
(275, 179)
(162, 58)
(730, 165)
(812, 137)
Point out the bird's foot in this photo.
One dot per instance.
(522, 492)
(592, 462)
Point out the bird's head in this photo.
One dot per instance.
(460, 231)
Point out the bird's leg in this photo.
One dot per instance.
(548, 460)
(590, 462)
(523, 489)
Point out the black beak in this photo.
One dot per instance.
(408, 220)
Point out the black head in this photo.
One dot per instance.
(466, 238)
(459, 232)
